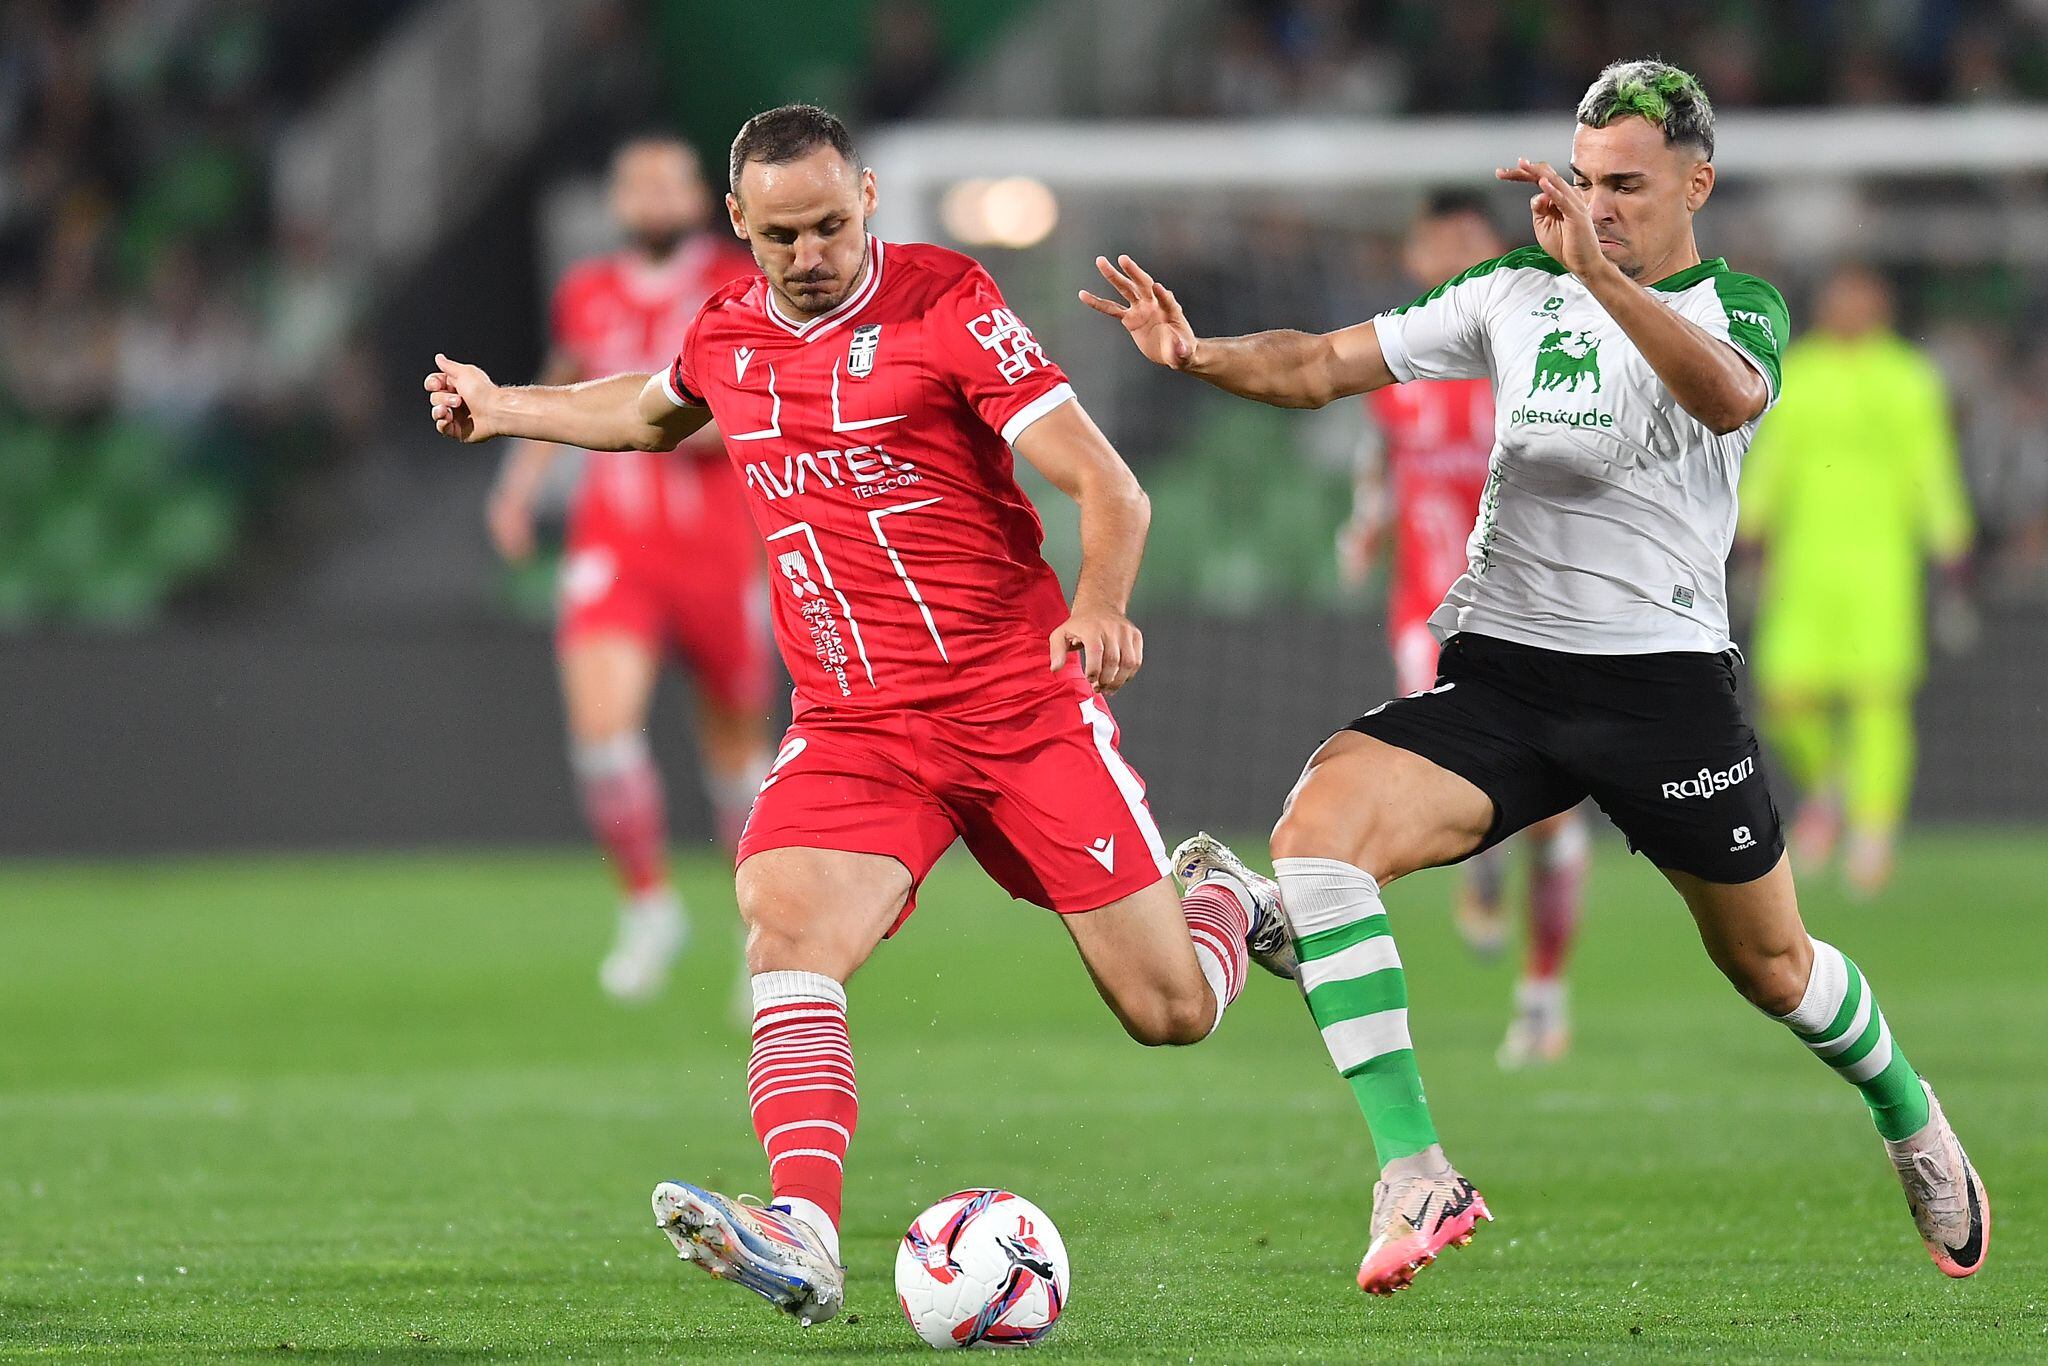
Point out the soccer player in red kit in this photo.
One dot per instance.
(1422, 473)
(660, 561)
(872, 394)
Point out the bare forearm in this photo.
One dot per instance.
(1114, 520)
(1283, 368)
(598, 415)
(1294, 369)
(1702, 372)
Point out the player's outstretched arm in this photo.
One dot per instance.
(624, 412)
(1286, 369)
(1070, 450)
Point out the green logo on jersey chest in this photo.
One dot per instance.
(1565, 359)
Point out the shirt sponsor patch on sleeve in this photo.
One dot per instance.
(1004, 334)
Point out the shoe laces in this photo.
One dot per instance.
(1390, 1199)
(1930, 1184)
(1270, 933)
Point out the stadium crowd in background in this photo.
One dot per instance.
(1473, 56)
(156, 328)
(155, 310)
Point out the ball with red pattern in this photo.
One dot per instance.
(982, 1268)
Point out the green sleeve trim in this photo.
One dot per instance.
(1757, 321)
(1521, 258)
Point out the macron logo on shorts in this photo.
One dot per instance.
(1707, 782)
(1104, 852)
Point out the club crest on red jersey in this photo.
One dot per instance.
(860, 352)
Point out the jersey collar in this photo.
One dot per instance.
(870, 283)
(1692, 275)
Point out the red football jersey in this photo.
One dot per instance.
(616, 315)
(1437, 440)
(874, 444)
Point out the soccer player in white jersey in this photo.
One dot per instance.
(1586, 649)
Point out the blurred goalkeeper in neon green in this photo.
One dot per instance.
(1851, 488)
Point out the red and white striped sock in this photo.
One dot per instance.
(800, 1085)
(1219, 916)
(624, 804)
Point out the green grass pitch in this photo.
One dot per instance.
(375, 1107)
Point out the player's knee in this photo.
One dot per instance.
(1772, 981)
(1312, 829)
(777, 936)
(772, 946)
(1171, 1021)
(1303, 831)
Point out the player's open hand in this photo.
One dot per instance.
(455, 392)
(1564, 222)
(1111, 647)
(1149, 312)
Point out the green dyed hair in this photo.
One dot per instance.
(1658, 92)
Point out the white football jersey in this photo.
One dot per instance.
(1609, 510)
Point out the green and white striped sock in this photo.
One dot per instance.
(1352, 977)
(1839, 1020)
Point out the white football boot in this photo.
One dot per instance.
(1948, 1202)
(1269, 942)
(652, 933)
(1415, 1216)
(766, 1249)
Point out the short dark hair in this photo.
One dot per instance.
(1658, 92)
(1455, 204)
(778, 136)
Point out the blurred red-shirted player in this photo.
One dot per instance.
(660, 559)
(1422, 473)
(872, 395)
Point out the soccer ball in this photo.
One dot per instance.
(982, 1268)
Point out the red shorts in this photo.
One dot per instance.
(1034, 784)
(690, 585)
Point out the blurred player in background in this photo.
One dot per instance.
(1421, 471)
(875, 393)
(1852, 487)
(660, 560)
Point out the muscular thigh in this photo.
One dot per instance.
(1381, 808)
(818, 910)
(1437, 776)
(1137, 944)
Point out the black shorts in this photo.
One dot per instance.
(1658, 740)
